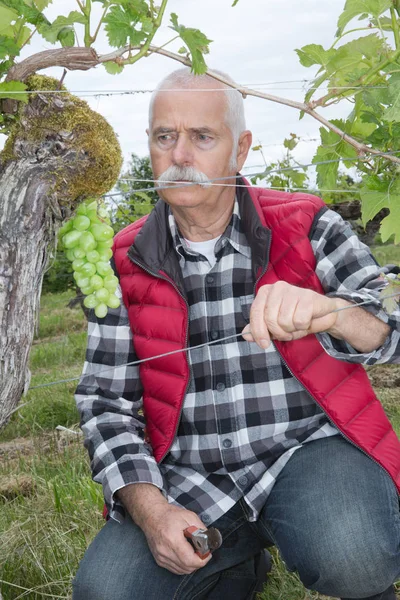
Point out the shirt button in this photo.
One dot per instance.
(205, 518)
(210, 279)
(214, 334)
(227, 443)
(220, 387)
(243, 480)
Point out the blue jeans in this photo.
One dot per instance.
(333, 514)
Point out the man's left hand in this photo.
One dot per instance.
(285, 312)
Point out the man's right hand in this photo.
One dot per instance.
(170, 548)
(163, 525)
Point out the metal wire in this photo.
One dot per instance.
(262, 174)
(189, 348)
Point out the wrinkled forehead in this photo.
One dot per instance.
(205, 106)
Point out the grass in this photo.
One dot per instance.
(50, 509)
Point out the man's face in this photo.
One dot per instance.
(189, 130)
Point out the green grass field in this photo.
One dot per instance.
(50, 508)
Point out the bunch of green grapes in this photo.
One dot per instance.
(87, 239)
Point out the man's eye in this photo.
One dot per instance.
(203, 137)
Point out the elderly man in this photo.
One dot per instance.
(273, 435)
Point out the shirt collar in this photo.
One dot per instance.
(233, 234)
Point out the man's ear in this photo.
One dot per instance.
(244, 146)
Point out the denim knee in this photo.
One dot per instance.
(348, 565)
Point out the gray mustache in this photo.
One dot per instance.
(175, 173)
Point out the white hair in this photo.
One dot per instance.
(185, 79)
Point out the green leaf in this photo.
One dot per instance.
(7, 16)
(182, 50)
(390, 224)
(314, 54)
(290, 143)
(8, 47)
(353, 8)
(197, 43)
(42, 4)
(118, 26)
(113, 68)
(235, 2)
(375, 195)
(8, 87)
(393, 287)
(333, 148)
(52, 31)
(29, 12)
(392, 113)
(66, 36)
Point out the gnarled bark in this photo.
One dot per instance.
(46, 171)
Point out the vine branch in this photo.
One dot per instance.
(87, 58)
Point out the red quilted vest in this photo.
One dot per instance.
(158, 315)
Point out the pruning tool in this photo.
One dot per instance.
(204, 541)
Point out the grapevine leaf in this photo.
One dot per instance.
(333, 147)
(8, 87)
(364, 8)
(197, 43)
(368, 45)
(7, 16)
(390, 224)
(377, 194)
(8, 47)
(390, 304)
(142, 195)
(66, 36)
(30, 13)
(51, 31)
(120, 24)
(314, 54)
(113, 68)
(392, 113)
(235, 2)
(42, 4)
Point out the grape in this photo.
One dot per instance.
(90, 301)
(113, 302)
(104, 255)
(81, 210)
(93, 256)
(88, 269)
(104, 268)
(82, 282)
(96, 282)
(71, 238)
(102, 295)
(87, 290)
(110, 282)
(78, 263)
(104, 245)
(81, 223)
(101, 310)
(101, 232)
(87, 239)
(78, 252)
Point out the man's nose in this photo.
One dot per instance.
(182, 153)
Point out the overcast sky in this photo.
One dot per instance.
(254, 42)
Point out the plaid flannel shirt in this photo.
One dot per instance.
(244, 414)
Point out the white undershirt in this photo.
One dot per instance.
(205, 248)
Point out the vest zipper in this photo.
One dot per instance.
(315, 400)
(158, 276)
